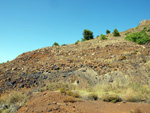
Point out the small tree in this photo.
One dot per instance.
(87, 34)
(55, 44)
(107, 31)
(116, 32)
(103, 37)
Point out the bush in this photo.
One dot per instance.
(83, 39)
(97, 36)
(16, 97)
(148, 30)
(63, 44)
(103, 37)
(93, 97)
(107, 31)
(138, 37)
(144, 28)
(116, 32)
(87, 34)
(62, 90)
(111, 98)
(77, 42)
(55, 44)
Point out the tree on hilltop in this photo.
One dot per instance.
(107, 31)
(87, 34)
(116, 32)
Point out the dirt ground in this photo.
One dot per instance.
(55, 102)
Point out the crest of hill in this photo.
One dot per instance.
(144, 23)
(115, 58)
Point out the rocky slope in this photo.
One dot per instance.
(88, 63)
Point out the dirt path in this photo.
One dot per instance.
(54, 102)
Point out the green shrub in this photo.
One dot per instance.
(77, 42)
(97, 36)
(63, 44)
(148, 30)
(144, 28)
(127, 33)
(83, 39)
(107, 31)
(103, 37)
(116, 32)
(87, 34)
(55, 44)
(138, 37)
(93, 97)
(111, 98)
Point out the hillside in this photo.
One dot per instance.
(111, 60)
(115, 61)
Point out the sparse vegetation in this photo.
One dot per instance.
(103, 37)
(107, 31)
(55, 44)
(77, 42)
(116, 32)
(138, 37)
(83, 39)
(57, 86)
(145, 28)
(127, 33)
(93, 96)
(111, 98)
(63, 44)
(15, 99)
(87, 35)
(97, 36)
(71, 100)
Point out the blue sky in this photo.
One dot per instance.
(26, 25)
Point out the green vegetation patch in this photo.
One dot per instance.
(116, 32)
(77, 42)
(55, 44)
(138, 37)
(103, 37)
(87, 34)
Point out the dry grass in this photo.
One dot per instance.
(13, 100)
(136, 111)
(111, 98)
(72, 100)
(57, 86)
(134, 92)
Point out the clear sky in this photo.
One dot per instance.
(26, 25)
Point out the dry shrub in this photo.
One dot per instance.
(57, 86)
(111, 98)
(71, 100)
(136, 111)
(15, 97)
